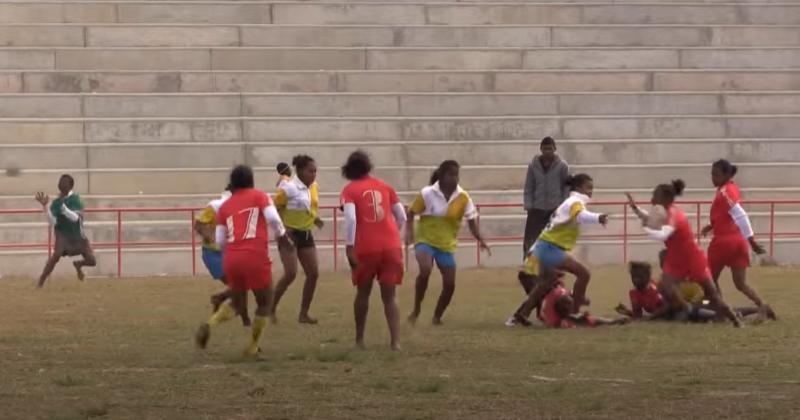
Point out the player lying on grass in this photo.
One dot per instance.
(65, 215)
(684, 259)
(557, 312)
(552, 250)
(648, 303)
(205, 225)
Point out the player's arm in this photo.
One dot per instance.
(73, 214)
(417, 207)
(349, 210)
(274, 221)
(221, 236)
(530, 188)
(44, 199)
(398, 210)
(661, 311)
(471, 214)
(742, 221)
(585, 217)
(662, 234)
(641, 213)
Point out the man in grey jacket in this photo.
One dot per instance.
(545, 189)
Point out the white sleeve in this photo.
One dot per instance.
(585, 217)
(69, 214)
(742, 221)
(350, 223)
(274, 220)
(470, 211)
(660, 234)
(221, 235)
(399, 215)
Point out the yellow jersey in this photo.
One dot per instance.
(440, 218)
(297, 203)
(564, 227)
(208, 218)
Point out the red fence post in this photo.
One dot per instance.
(698, 224)
(478, 242)
(335, 239)
(624, 234)
(772, 230)
(194, 243)
(119, 243)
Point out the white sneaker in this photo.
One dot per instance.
(511, 322)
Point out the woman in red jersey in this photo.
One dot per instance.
(685, 259)
(373, 218)
(733, 235)
(242, 234)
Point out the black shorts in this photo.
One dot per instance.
(302, 238)
(66, 246)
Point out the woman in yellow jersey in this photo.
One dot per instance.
(442, 206)
(297, 201)
(552, 250)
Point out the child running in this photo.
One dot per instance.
(552, 250)
(65, 215)
(684, 259)
(242, 234)
(297, 201)
(442, 205)
(205, 225)
(373, 241)
(733, 235)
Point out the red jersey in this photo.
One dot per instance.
(727, 196)
(550, 316)
(243, 215)
(681, 244)
(648, 300)
(376, 229)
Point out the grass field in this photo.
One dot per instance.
(122, 349)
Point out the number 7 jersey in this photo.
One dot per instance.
(376, 229)
(243, 216)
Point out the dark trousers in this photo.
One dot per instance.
(534, 225)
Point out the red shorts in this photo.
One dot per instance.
(386, 265)
(733, 252)
(247, 270)
(690, 267)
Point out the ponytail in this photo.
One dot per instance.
(576, 181)
(678, 186)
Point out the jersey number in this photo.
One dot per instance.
(375, 199)
(252, 224)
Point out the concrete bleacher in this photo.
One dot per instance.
(149, 103)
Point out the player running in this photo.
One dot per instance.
(205, 225)
(65, 214)
(685, 259)
(297, 201)
(733, 235)
(373, 241)
(442, 206)
(242, 234)
(552, 250)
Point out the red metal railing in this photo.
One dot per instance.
(119, 244)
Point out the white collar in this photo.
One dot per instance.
(435, 187)
(298, 183)
(583, 197)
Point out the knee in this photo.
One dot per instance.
(289, 275)
(90, 261)
(448, 284)
(312, 275)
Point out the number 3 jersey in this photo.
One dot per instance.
(376, 229)
(243, 216)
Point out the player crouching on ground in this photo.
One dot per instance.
(557, 312)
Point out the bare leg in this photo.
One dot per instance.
(537, 293)
(392, 314)
(719, 305)
(308, 259)
(716, 276)
(48, 269)
(740, 281)
(582, 277)
(448, 288)
(289, 260)
(425, 263)
(360, 309)
(88, 261)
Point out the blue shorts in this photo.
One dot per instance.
(544, 256)
(213, 261)
(443, 259)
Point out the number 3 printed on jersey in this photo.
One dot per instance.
(375, 200)
(250, 230)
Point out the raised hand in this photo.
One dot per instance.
(604, 219)
(706, 230)
(42, 198)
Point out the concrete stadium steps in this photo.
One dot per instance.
(377, 129)
(394, 13)
(397, 104)
(171, 180)
(394, 58)
(417, 153)
(640, 80)
(247, 35)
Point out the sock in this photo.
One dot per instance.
(259, 323)
(224, 313)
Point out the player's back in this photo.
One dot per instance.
(242, 215)
(727, 197)
(682, 241)
(376, 229)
